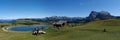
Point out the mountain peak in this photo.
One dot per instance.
(99, 15)
(104, 13)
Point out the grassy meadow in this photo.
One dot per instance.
(90, 31)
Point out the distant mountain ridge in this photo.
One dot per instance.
(102, 15)
(6, 20)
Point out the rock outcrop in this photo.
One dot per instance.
(99, 15)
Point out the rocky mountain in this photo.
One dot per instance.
(64, 18)
(99, 15)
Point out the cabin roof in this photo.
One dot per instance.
(60, 22)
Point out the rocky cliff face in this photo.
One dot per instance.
(99, 15)
(104, 15)
(92, 15)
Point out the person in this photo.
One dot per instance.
(104, 30)
(36, 31)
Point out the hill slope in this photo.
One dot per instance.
(110, 22)
(90, 31)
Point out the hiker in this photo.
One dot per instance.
(36, 31)
(104, 30)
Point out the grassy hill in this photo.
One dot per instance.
(110, 22)
(90, 31)
(110, 25)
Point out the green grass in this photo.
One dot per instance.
(110, 22)
(89, 31)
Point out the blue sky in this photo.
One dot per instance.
(13, 9)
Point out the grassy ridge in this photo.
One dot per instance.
(89, 31)
(110, 22)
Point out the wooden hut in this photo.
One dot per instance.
(60, 24)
